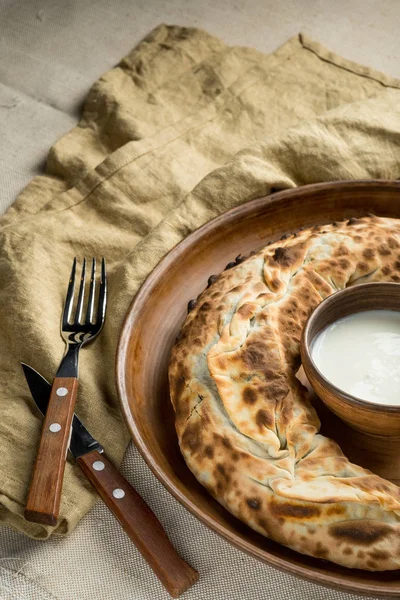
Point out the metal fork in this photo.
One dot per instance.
(43, 502)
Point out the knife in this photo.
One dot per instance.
(135, 516)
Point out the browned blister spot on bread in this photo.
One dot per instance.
(383, 250)
(253, 503)
(368, 253)
(392, 243)
(321, 551)
(363, 533)
(294, 511)
(245, 311)
(264, 419)
(192, 438)
(209, 451)
(335, 509)
(249, 395)
(341, 251)
(255, 356)
(379, 555)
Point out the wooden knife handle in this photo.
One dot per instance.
(43, 503)
(139, 522)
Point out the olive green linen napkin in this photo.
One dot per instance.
(181, 130)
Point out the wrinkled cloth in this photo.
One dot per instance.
(183, 129)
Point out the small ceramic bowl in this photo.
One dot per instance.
(367, 417)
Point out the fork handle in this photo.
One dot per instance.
(43, 502)
(139, 522)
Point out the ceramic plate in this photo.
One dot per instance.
(155, 317)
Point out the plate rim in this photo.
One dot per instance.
(331, 580)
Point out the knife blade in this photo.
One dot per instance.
(135, 516)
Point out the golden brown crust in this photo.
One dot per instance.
(244, 422)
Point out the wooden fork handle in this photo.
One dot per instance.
(139, 522)
(43, 503)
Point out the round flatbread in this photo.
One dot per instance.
(245, 425)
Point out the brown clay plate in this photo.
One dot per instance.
(155, 317)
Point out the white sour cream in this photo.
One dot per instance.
(360, 354)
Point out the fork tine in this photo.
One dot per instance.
(79, 306)
(101, 313)
(92, 293)
(69, 300)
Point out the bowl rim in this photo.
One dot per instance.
(306, 345)
(331, 579)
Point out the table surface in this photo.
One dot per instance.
(51, 53)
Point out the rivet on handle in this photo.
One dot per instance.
(98, 465)
(118, 493)
(62, 391)
(54, 427)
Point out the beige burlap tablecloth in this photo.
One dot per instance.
(181, 130)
